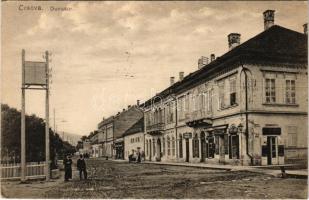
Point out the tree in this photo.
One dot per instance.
(35, 138)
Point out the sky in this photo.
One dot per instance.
(106, 55)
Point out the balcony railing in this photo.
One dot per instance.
(155, 127)
(197, 116)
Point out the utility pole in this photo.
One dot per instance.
(47, 170)
(23, 122)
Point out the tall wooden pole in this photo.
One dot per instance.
(47, 168)
(23, 122)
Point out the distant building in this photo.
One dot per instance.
(112, 129)
(86, 147)
(246, 107)
(134, 139)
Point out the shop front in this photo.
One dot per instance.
(272, 146)
(119, 148)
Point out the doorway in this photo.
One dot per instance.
(158, 149)
(187, 150)
(272, 146)
(203, 147)
(150, 153)
(210, 147)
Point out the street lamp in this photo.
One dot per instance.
(240, 127)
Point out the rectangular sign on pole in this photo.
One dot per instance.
(35, 73)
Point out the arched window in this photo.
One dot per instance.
(163, 146)
(173, 146)
(168, 146)
(180, 146)
(195, 145)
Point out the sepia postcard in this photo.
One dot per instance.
(154, 99)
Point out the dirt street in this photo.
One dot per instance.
(109, 179)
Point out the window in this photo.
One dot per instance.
(292, 136)
(187, 104)
(195, 102)
(290, 92)
(195, 146)
(180, 146)
(209, 105)
(163, 146)
(270, 90)
(205, 94)
(232, 91)
(173, 146)
(181, 107)
(221, 95)
(147, 147)
(201, 101)
(168, 146)
(170, 113)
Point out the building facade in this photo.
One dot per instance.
(134, 139)
(111, 131)
(247, 107)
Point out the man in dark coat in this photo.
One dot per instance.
(81, 166)
(67, 162)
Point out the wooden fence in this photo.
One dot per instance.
(13, 171)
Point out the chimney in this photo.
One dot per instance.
(305, 28)
(212, 57)
(137, 102)
(202, 61)
(172, 80)
(269, 18)
(234, 40)
(181, 75)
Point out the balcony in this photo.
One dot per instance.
(198, 118)
(155, 129)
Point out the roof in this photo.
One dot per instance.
(275, 45)
(106, 121)
(135, 128)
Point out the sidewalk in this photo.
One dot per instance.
(276, 171)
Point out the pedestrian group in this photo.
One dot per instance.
(81, 166)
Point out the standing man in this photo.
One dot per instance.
(81, 166)
(67, 162)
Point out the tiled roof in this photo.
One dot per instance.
(276, 44)
(135, 128)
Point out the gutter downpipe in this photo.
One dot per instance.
(176, 124)
(246, 113)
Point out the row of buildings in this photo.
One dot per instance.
(246, 107)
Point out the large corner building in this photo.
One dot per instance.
(246, 107)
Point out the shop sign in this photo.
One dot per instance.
(219, 131)
(187, 135)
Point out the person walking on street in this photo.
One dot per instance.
(138, 157)
(81, 166)
(67, 162)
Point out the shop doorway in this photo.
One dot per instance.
(210, 146)
(203, 147)
(150, 152)
(187, 150)
(272, 146)
(158, 149)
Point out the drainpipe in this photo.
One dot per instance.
(176, 132)
(246, 113)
